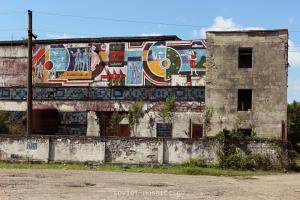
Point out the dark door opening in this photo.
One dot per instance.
(105, 121)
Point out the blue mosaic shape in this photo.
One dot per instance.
(196, 94)
(60, 93)
(44, 93)
(73, 117)
(136, 94)
(5, 93)
(18, 93)
(72, 130)
(118, 93)
(100, 93)
(161, 93)
(76, 93)
(180, 93)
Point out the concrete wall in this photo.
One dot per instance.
(121, 150)
(15, 148)
(267, 78)
(134, 150)
(76, 149)
(180, 150)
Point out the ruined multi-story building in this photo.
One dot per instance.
(237, 77)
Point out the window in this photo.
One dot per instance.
(245, 58)
(197, 130)
(164, 130)
(244, 99)
(245, 131)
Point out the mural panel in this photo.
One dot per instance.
(119, 64)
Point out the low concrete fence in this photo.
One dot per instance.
(117, 150)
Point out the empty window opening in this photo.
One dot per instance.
(245, 58)
(197, 130)
(164, 130)
(113, 124)
(244, 99)
(245, 131)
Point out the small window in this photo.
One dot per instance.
(164, 130)
(245, 131)
(197, 130)
(244, 100)
(245, 58)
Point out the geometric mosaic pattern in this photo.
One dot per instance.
(71, 123)
(181, 93)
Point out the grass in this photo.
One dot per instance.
(175, 169)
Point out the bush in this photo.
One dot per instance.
(293, 113)
(8, 125)
(235, 154)
(249, 162)
(196, 162)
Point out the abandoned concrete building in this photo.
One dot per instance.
(239, 76)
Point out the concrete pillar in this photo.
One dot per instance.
(93, 127)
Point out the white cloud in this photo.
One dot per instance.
(222, 24)
(294, 55)
(151, 34)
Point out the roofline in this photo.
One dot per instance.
(250, 31)
(93, 40)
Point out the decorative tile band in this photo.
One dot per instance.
(105, 93)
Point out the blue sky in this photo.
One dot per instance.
(154, 18)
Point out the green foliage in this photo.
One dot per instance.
(135, 113)
(234, 135)
(196, 162)
(115, 120)
(239, 160)
(293, 112)
(232, 155)
(167, 111)
(7, 126)
(207, 119)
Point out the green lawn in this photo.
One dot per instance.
(178, 169)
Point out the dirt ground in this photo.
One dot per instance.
(101, 185)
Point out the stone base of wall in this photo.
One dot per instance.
(113, 150)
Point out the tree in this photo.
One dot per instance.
(293, 113)
(167, 111)
(135, 113)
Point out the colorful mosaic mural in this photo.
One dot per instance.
(125, 64)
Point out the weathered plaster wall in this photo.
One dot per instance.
(93, 127)
(15, 148)
(134, 150)
(181, 150)
(267, 79)
(124, 150)
(13, 65)
(76, 149)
